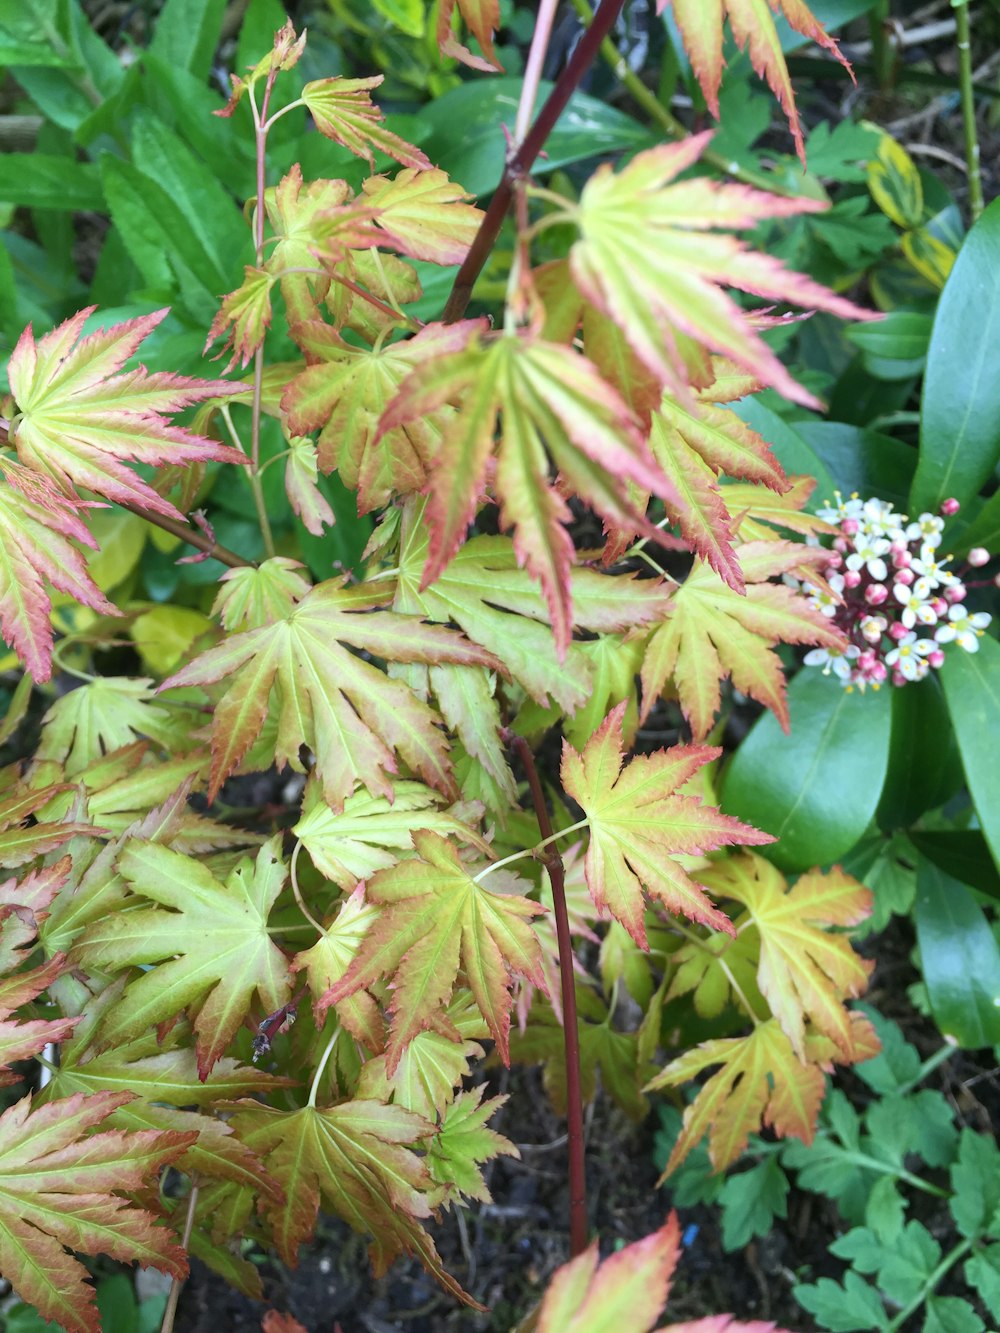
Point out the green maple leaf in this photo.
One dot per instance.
(108, 714)
(482, 18)
(762, 1081)
(639, 824)
(650, 259)
(374, 832)
(713, 632)
(343, 111)
(304, 495)
(424, 215)
(344, 393)
(356, 1159)
(210, 940)
(752, 26)
(284, 55)
(79, 423)
(20, 844)
(244, 316)
(250, 598)
(760, 511)
(24, 907)
(62, 1189)
(328, 960)
(25, 1038)
(462, 1142)
(805, 972)
(436, 919)
(347, 711)
(551, 407)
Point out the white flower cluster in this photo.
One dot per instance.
(890, 590)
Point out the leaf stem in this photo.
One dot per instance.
(529, 851)
(176, 1286)
(949, 1261)
(255, 471)
(297, 892)
(571, 1032)
(940, 1056)
(964, 48)
(260, 141)
(520, 161)
(178, 527)
(330, 1047)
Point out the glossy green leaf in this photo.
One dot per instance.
(960, 425)
(984, 530)
(816, 788)
(903, 335)
(972, 688)
(959, 959)
(861, 460)
(961, 853)
(187, 34)
(924, 765)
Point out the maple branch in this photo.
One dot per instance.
(260, 143)
(571, 1033)
(177, 1284)
(519, 163)
(179, 527)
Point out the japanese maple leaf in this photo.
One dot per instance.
(344, 393)
(79, 423)
(19, 844)
(713, 632)
(38, 526)
(423, 214)
(805, 971)
(349, 712)
(209, 939)
(329, 959)
(482, 18)
(652, 258)
(244, 317)
(462, 1143)
(64, 1189)
(700, 23)
(762, 1082)
(436, 919)
(357, 1160)
(344, 112)
(104, 715)
(548, 402)
(251, 598)
(638, 824)
(20, 1039)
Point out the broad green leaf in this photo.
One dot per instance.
(961, 853)
(972, 689)
(975, 1178)
(187, 34)
(895, 185)
(751, 1201)
(436, 918)
(924, 765)
(63, 1190)
(163, 635)
(212, 946)
(639, 825)
(960, 409)
(960, 960)
(351, 714)
(816, 788)
(41, 180)
(791, 448)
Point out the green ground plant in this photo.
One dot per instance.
(473, 479)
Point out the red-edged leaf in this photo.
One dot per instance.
(343, 111)
(638, 824)
(482, 18)
(700, 23)
(437, 918)
(81, 418)
(653, 259)
(424, 214)
(246, 314)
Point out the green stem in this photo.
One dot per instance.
(940, 1056)
(964, 48)
(254, 471)
(177, 1284)
(857, 1158)
(657, 112)
(949, 1261)
(260, 141)
(529, 851)
(883, 55)
(330, 1048)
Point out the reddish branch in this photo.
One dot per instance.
(178, 527)
(519, 164)
(571, 1035)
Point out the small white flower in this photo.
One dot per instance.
(842, 509)
(831, 660)
(927, 529)
(915, 601)
(872, 628)
(878, 519)
(826, 603)
(930, 568)
(868, 552)
(909, 657)
(966, 630)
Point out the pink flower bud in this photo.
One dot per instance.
(852, 577)
(935, 658)
(950, 507)
(878, 673)
(841, 545)
(940, 607)
(955, 592)
(898, 678)
(905, 576)
(901, 559)
(849, 527)
(866, 661)
(898, 631)
(876, 594)
(978, 557)
(834, 562)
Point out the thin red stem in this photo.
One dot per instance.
(571, 1033)
(520, 161)
(180, 528)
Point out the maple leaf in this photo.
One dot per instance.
(461, 1143)
(38, 526)
(305, 497)
(211, 943)
(712, 632)
(482, 18)
(357, 1159)
(104, 715)
(548, 402)
(649, 259)
(246, 314)
(374, 832)
(639, 823)
(18, 844)
(344, 393)
(437, 918)
(424, 214)
(805, 971)
(349, 713)
(758, 512)
(343, 111)
(61, 1189)
(752, 26)
(250, 598)
(78, 423)
(328, 960)
(22, 1039)
(762, 1081)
